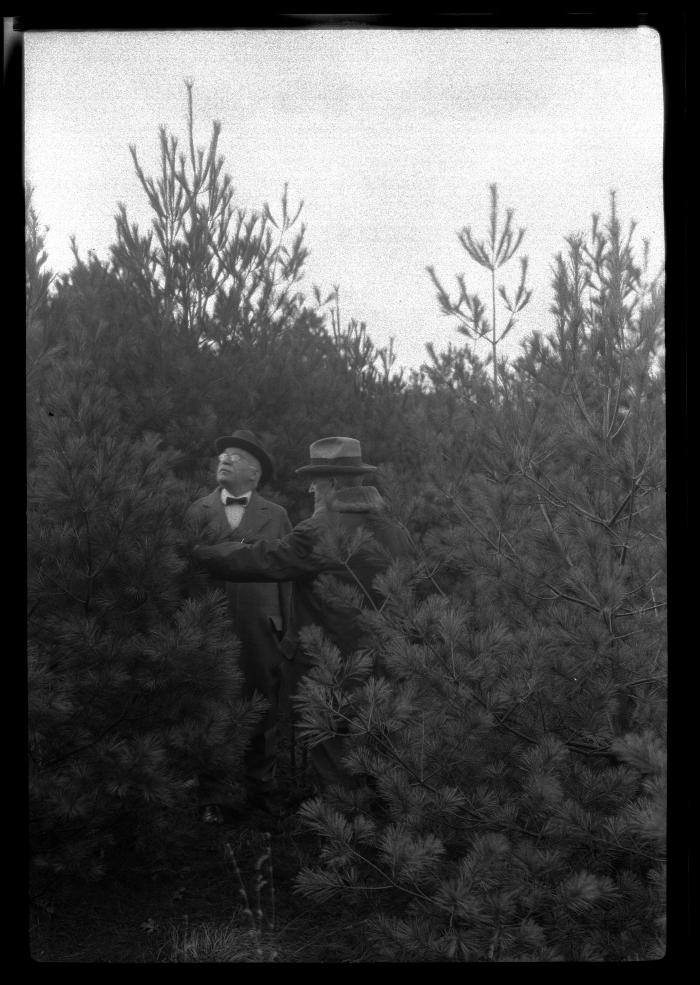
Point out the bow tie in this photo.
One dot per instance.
(234, 501)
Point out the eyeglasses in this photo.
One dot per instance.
(235, 456)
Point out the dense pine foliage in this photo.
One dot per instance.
(508, 728)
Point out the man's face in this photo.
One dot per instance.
(237, 468)
(322, 488)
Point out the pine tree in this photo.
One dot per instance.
(509, 733)
(38, 277)
(165, 385)
(133, 686)
(492, 253)
(216, 273)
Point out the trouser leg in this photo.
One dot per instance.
(262, 675)
(291, 671)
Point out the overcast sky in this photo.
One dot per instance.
(391, 138)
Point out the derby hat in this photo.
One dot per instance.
(335, 455)
(247, 441)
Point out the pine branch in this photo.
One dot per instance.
(95, 740)
(557, 593)
(559, 499)
(639, 612)
(555, 535)
(62, 590)
(417, 554)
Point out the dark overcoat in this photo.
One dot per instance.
(307, 552)
(260, 611)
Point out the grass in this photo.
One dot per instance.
(225, 895)
(214, 944)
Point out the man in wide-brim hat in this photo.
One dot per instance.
(235, 513)
(343, 506)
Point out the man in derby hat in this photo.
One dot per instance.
(235, 513)
(343, 507)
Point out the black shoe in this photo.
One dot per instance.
(211, 814)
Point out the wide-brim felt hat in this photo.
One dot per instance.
(335, 455)
(247, 441)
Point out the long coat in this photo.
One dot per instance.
(260, 612)
(306, 552)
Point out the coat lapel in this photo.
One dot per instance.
(254, 517)
(216, 513)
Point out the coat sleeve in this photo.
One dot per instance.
(286, 559)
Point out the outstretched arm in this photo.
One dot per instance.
(284, 559)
